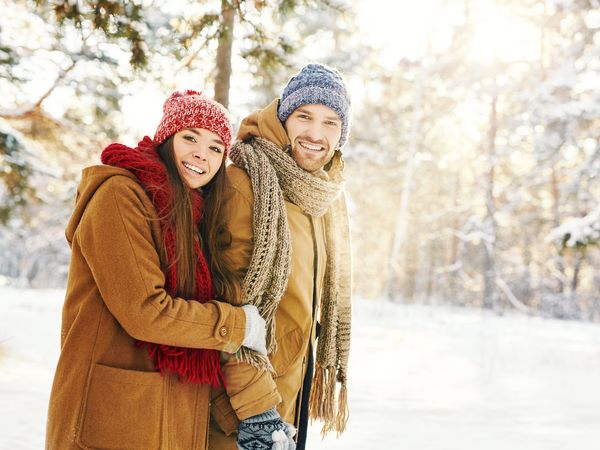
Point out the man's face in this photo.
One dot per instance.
(314, 131)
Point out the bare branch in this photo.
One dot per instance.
(513, 300)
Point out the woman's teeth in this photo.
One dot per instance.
(193, 168)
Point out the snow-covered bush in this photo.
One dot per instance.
(578, 233)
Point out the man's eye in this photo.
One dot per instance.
(331, 123)
(303, 116)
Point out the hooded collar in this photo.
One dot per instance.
(264, 123)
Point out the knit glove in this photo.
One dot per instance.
(265, 431)
(256, 330)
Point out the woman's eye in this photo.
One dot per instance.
(217, 149)
(190, 138)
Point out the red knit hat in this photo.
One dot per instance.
(190, 109)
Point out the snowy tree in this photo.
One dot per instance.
(189, 32)
(507, 149)
(63, 84)
(577, 233)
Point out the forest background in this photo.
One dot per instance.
(474, 157)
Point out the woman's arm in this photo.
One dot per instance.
(117, 242)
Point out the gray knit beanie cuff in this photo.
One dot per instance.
(316, 95)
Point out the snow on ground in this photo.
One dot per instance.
(421, 378)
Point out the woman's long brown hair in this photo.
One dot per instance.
(211, 235)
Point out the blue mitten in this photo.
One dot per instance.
(265, 431)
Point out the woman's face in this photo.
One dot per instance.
(198, 154)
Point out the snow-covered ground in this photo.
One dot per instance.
(421, 378)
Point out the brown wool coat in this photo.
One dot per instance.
(250, 392)
(106, 393)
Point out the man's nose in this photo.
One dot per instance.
(314, 132)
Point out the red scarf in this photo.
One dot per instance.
(191, 364)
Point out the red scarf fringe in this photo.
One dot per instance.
(193, 365)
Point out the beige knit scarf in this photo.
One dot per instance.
(275, 176)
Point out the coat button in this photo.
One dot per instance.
(223, 331)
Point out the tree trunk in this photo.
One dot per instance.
(489, 275)
(402, 216)
(575, 282)
(452, 263)
(595, 309)
(527, 262)
(410, 267)
(559, 262)
(575, 277)
(430, 288)
(223, 77)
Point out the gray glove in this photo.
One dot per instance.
(266, 430)
(256, 330)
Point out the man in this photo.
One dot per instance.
(289, 236)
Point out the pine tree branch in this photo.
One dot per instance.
(23, 112)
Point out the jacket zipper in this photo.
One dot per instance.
(313, 321)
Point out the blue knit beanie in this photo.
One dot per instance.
(317, 84)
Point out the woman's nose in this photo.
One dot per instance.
(200, 153)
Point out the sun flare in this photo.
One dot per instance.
(500, 36)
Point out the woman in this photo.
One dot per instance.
(141, 331)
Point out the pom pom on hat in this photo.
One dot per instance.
(191, 109)
(317, 84)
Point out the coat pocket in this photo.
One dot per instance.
(122, 410)
(288, 351)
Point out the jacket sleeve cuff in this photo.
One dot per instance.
(222, 412)
(270, 414)
(231, 326)
(257, 397)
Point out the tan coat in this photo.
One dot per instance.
(250, 392)
(106, 394)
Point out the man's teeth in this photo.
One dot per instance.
(311, 146)
(194, 168)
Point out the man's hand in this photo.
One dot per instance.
(266, 430)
